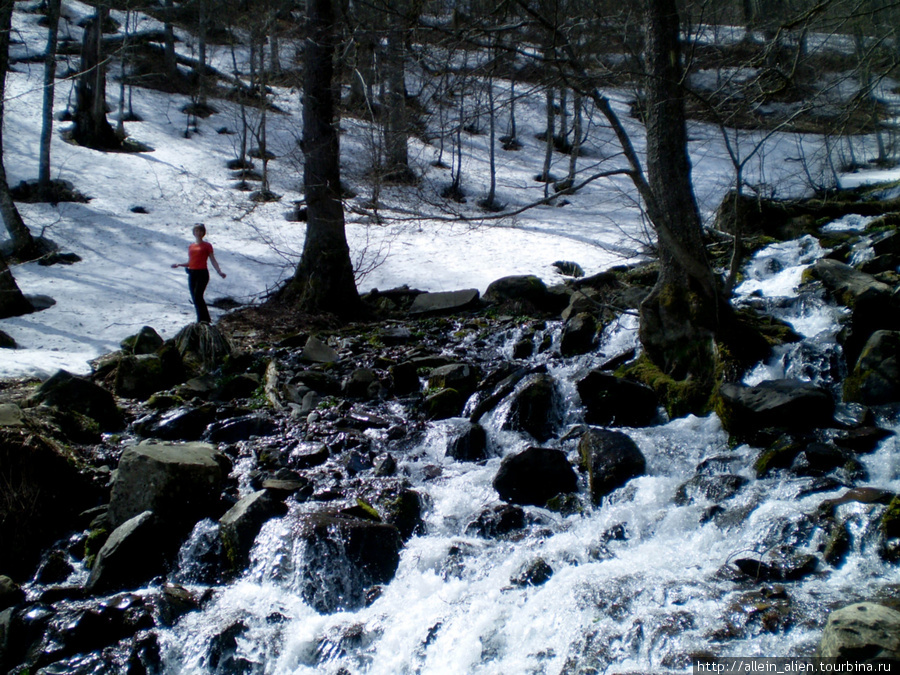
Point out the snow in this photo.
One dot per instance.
(125, 280)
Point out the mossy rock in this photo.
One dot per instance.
(890, 520)
(443, 404)
(678, 397)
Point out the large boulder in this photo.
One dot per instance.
(179, 483)
(876, 378)
(782, 404)
(445, 301)
(860, 633)
(534, 408)
(534, 476)
(578, 335)
(611, 459)
(342, 557)
(133, 554)
(524, 291)
(68, 392)
(613, 401)
(459, 376)
(467, 442)
(145, 341)
(140, 376)
(202, 347)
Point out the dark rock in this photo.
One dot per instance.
(385, 466)
(444, 404)
(404, 378)
(445, 302)
(396, 335)
(788, 568)
(709, 488)
(578, 335)
(146, 341)
(402, 508)
(527, 289)
(202, 347)
(524, 348)
(863, 440)
(569, 269)
(242, 428)
(306, 456)
(244, 385)
(343, 557)
(497, 521)
(535, 408)
(613, 401)
(817, 459)
(180, 424)
(222, 653)
(361, 383)
(131, 556)
(179, 483)
(140, 376)
(241, 523)
(534, 476)
(6, 342)
(536, 573)
(611, 459)
(54, 569)
(783, 404)
(467, 442)
(10, 594)
(459, 376)
(875, 379)
(861, 633)
(67, 392)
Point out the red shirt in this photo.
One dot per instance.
(198, 255)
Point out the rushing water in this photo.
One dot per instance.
(639, 584)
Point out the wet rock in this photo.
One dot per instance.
(613, 401)
(534, 408)
(10, 593)
(497, 521)
(459, 376)
(241, 523)
(534, 476)
(133, 554)
(404, 378)
(222, 653)
(782, 404)
(362, 383)
(342, 557)
(611, 459)
(444, 302)
(242, 428)
(837, 544)
(244, 385)
(385, 466)
(524, 348)
(396, 335)
(444, 404)
(861, 633)
(709, 488)
(818, 459)
(875, 379)
(179, 483)
(863, 440)
(784, 568)
(55, 568)
(578, 335)
(68, 392)
(180, 424)
(146, 341)
(202, 347)
(308, 455)
(467, 442)
(402, 508)
(140, 376)
(768, 608)
(536, 573)
(527, 289)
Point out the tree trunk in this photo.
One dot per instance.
(169, 51)
(395, 128)
(324, 279)
(91, 127)
(680, 317)
(53, 10)
(23, 244)
(12, 302)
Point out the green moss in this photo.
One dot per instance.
(890, 520)
(92, 545)
(368, 509)
(679, 397)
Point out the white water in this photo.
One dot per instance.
(644, 602)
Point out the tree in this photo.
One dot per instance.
(324, 279)
(53, 11)
(91, 127)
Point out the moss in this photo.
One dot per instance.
(679, 397)
(565, 504)
(370, 511)
(92, 545)
(890, 520)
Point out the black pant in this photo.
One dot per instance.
(197, 281)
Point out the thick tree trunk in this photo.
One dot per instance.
(53, 10)
(23, 243)
(324, 279)
(91, 127)
(395, 127)
(12, 302)
(680, 318)
(169, 48)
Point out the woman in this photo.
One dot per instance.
(198, 274)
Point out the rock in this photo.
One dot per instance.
(131, 556)
(146, 341)
(11, 415)
(818, 459)
(181, 424)
(611, 459)
(10, 594)
(782, 404)
(534, 476)
(709, 488)
(863, 440)
(847, 285)
(140, 376)
(467, 442)
(875, 379)
(861, 633)
(569, 269)
(578, 335)
(497, 521)
(784, 568)
(316, 351)
(342, 557)
(55, 568)
(443, 404)
(7, 342)
(179, 483)
(242, 428)
(241, 523)
(308, 455)
(459, 376)
(535, 408)
(362, 383)
(536, 573)
(402, 508)
(68, 392)
(404, 378)
(396, 335)
(244, 385)
(445, 302)
(613, 401)
(527, 289)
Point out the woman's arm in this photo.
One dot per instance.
(174, 265)
(215, 263)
